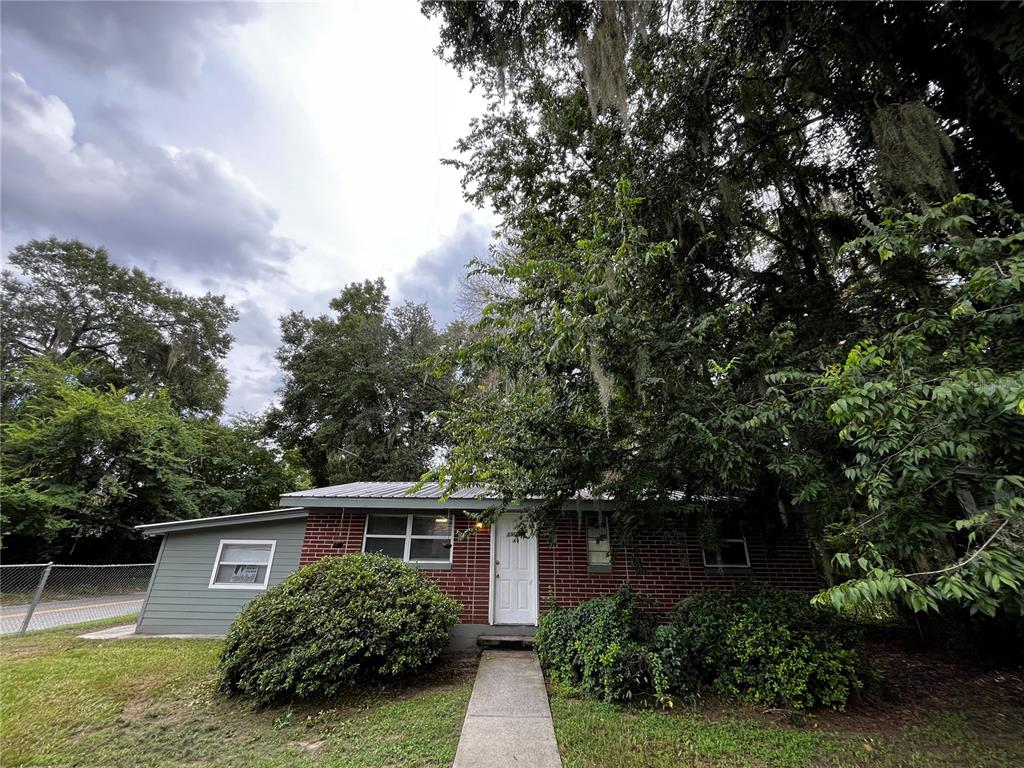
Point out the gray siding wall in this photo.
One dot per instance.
(180, 599)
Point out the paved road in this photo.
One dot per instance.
(60, 613)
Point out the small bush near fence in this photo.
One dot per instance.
(760, 645)
(339, 621)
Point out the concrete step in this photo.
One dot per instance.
(512, 642)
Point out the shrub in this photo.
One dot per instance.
(602, 647)
(767, 646)
(337, 622)
(681, 678)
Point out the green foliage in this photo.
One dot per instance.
(926, 418)
(358, 401)
(330, 625)
(777, 315)
(761, 645)
(242, 470)
(768, 646)
(69, 302)
(83, 465)
(602, 646)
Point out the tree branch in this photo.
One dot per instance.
(962, 563)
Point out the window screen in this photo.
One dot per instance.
(730, 552)
(243, 564)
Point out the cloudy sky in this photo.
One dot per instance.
(272, 153)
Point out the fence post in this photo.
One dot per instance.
(35, 598)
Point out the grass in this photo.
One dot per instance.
(152, 702)
(968, 733)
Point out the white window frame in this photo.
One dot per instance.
(408, 536)
(730, 540)
(601, 521)
(254, 586)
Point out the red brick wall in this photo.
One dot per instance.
(666, 566)
(468, 581)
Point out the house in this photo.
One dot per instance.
(207, 569)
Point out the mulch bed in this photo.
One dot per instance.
(913, 685)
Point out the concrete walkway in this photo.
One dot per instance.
(508, 722)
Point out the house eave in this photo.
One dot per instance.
(245, 518)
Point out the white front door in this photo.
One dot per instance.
(515, 575)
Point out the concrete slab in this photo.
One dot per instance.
(508, 721)
(112, 633)
(127, 631)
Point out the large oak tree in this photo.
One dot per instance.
(742, 275)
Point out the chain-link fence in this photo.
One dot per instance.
(44, 595)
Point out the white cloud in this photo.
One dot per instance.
(162, 44)
(146, 203)
(435, 276)
(272, 154)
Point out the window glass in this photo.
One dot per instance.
(599, 550)
(430, 549)
(387, 525)
(430, 525)
(243, 563)
(430, 540)
(245, 553)
(390, 547)
(730, 553)
(241, 574)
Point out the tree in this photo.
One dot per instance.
(241, 469)
(928, 505)
(83, 465)
(358, 399)
(646, 335)
(69, 302)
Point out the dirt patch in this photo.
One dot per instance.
(450, 672)
(310, 747)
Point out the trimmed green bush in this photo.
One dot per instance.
(768, 646)
(334, 623)
(603, 648)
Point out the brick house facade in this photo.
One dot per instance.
(664, 566)
(330, 532)
(208, 569)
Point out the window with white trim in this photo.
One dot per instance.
(243, 564)
(419, 538)
(599, 546)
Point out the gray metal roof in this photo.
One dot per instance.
(396, 495)
(387, 490)
(153, 529)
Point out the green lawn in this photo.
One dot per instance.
(595, 735)
(71, 702)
